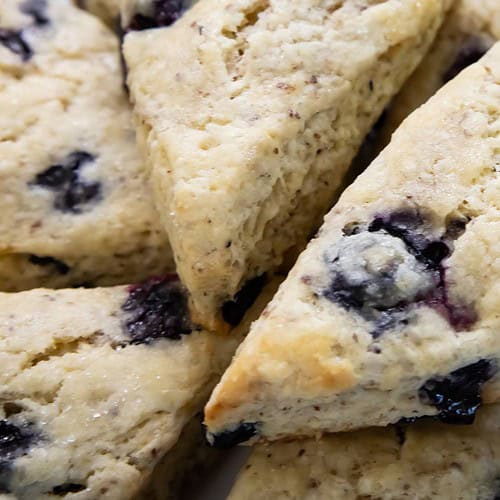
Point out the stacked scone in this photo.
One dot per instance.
(148, 137)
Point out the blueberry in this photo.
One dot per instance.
(71, 192)
(14, 41)
(473, 49)
(62, 489)
(375, 273)
(234, 310)
(15, 439)
(457, 396)
(157, 309)
(37, 10)
(405, 225)
(164, 13)
(227, 439)
(59, 265)
(383, 268)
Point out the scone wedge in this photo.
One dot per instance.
(96, 386)
(424, 461)
(75, 204)
(393, 309)
(469, 30)
(250, 112)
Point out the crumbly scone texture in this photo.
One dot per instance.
(424, 461)
(75, 203)
(87, 405)
(249, 113)
(469, 30)
(392, 310)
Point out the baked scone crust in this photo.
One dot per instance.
(396, 299)
(75, 203)
(97, 386)
(249, 113)
(469, 30)
(424, 461)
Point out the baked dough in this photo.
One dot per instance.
(469, 30)
(249, 113)
(424, 461)
(75, 204)
(392, 310)
(96, 386)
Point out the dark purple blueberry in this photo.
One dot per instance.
(164, 13)
(457, 396)
(227, 439)
(157, 309)
(15, 439)
(62, 489)
(14, 41)
(374, 291)
(59, 265)
(37, 10)
(405, 225)
(234, 310)
(473, 49)
(71, 192)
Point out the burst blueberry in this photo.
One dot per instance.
(157, 309)
(457, 396)
(164, 13)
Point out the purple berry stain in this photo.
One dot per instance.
(71, 193)
(457, 396)
(157, 309)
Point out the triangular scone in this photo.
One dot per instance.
(393, 309)
(250, 112)
(469, 30)
(425, 461)
(74, 202)
(96, 386)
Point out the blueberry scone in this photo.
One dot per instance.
(471, 27)
(96, 386)
(425, 461)
(392, 310)
(249, 113)
(74, 199)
